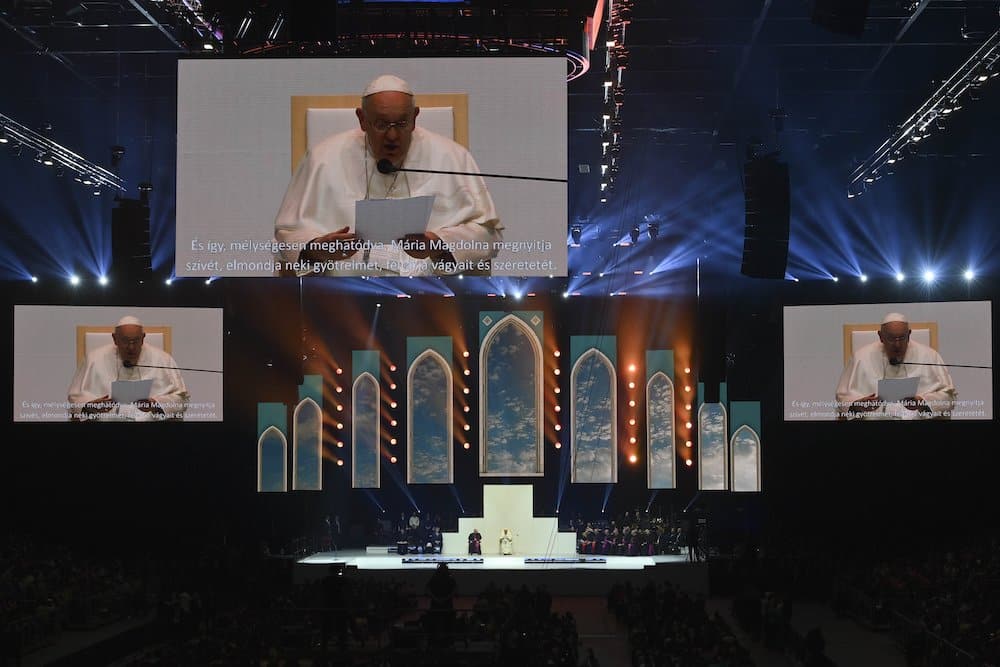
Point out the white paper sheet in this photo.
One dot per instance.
(896, 389)
(385, 220)
(128, 391)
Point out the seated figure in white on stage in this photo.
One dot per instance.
(318, 208)
(126, 358)
(506, 542)
(895, 356)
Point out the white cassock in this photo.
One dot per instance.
(870, 364)
(102, 366)
(340, 170)
(506, 544)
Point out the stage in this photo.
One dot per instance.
(562, 575)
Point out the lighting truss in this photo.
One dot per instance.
(978, 70)
(190, 13)
(16, 135)
(615, 64)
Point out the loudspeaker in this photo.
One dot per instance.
(846, 17)
(768, 208)
(130, 255)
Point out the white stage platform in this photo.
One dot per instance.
(366, 560)
(565, 577)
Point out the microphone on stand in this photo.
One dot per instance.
(385, 166)
(900, 362)
(129, 364)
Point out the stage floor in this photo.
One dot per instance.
(365, 560)
(567, 577)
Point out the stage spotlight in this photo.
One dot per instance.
(340, 444)
(340, 408)
(340, 426)
(835, 279)
(466, 427)
(556, 353)
(687, 424)
(689, 463)
(557, 390)
(34, 279)
(558, 445)
(340, 371)
(168, 282)
(392, 459)
(74, 280)
(631, 368)
(863, 278)
(340, 390)
(900, 276)
(392, 386)
(393, 423)
(969, 275)
(558, 409)
(465, 409)
(631, 385)
(687, 443)
(466, 354)
(465, 390)
(102, 281)
(558, 427)
(556, 371)
(687, 370)
(467, 372)
(466, 445)
(631, 404)
(393, 405)
(687, 406)
(340, 462)
(632, 440)
(929, 276)
(633, 458)
(631, 422)
(687, 388)
(392, 441)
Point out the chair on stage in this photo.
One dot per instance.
(90, 337)
(859, 335)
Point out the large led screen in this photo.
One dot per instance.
(266, 163)
(117, 363)
(889, 361)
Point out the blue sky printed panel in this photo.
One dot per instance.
(712, 440)
(429, 387)
(510, 400)
(307, 448)
(365, 436)
(594, 436)
(660, 432)
(746, 460)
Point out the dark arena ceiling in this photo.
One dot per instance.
(695, 84)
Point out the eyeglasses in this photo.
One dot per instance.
(386, 125)
(125, 342)
(895, 339)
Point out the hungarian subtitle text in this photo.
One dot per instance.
(962, 409)
(359, 257)
(60, 410)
